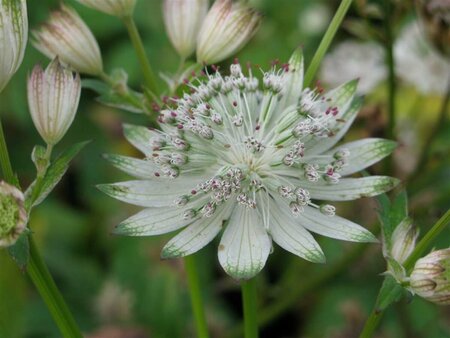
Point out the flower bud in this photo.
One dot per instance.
(183, 19)
(53, 97)
(403, 240)
(13, 216)
(66, 35)
(118, 8)
(227, 28)
(430, 278)
(13, 37)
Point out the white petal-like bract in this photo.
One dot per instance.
(120, 8)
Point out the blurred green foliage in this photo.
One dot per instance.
(120, 283)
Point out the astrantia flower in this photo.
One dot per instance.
(13, 37)
(118, 8)
(13, 216)
(418, 64)
(353, 59)
(67, 36)
(252, 158)
(53, 97)
(183, 19)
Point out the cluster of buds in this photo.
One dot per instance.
(13, 37)
(67, 36)
(119, 8)
(216, 34)
(13, 216)
(53, 96)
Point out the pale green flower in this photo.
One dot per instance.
(13, 37)
(13, 216)
(252, 158)
(67, 36)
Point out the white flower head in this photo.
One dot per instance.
(228, 26)
(119, 8)
(53, 97)
(430, 278)
(183, 19)
(251, 158)
(418, 64)
(13, 37)
(13, 216)
(67, 36)
(354, 59)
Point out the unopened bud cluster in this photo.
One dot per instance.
(13, 216)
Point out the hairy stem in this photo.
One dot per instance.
(326, 41)
(39, 274)
(249, 305)
(190, 265)
(149, 76)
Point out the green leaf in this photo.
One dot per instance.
(20, 251)
(390, 293)
(121, 98)
(40, 188)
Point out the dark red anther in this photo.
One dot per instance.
(285, 67)
(165, 99)
(208, 106)
(157, 174)
(234, 104)
(156, 107)
(214, 68)
(173, 114)
(330, 171)
(236, 61)
(193, 191)
(180, 126)
(185, 81)
(258, 127)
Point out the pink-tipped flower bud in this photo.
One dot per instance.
(228, 26)
(183, 19)
(119, 8)
(53, 96)
(430, 278)
(13, 37)
(67, 36)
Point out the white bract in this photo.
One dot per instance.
(418, 64)
(118, 8)
(252, 158)
(13, 216)
(183, 19)
(13, 37)
(351, 60)
(67, 36)
(53, 97)
(228, 26)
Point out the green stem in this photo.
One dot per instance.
(250, 308)
(196, 297)
(376, 314)
(49, 292)
(8, 173)
(326, 41)
(371, 324)
(149, 76)
(427, 240)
